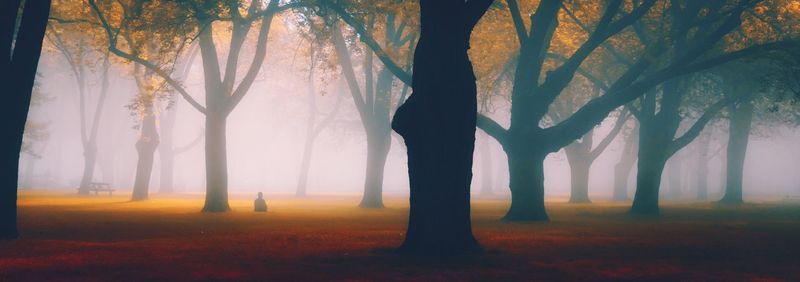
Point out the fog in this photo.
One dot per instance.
(266, 134)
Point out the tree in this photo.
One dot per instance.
(437, 123)
(145, 108)
(582, 153)
(167, 151)
(313, 127)
(659, 139)
(22, 29)
(179, 21)
(527, 143)
(74, 42)
(374, 103)
(761, 99)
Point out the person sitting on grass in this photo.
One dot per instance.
(261, 205)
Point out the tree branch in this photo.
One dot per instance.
(621, 120)
(700, 124)
(112, 41)
(492, 128)
(519, 24)
(369, 41)
(258, 59)
(343, 54)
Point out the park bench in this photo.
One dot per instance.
(98, 187)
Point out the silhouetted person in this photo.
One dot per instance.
(260, 204)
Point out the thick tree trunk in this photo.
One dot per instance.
(580, 163)
(17, 74)
(739, 135)
(648, 177)
(438, 125)
(378, 145)
(579, 176)
(216, 164)
(146, 148)
(527, 188)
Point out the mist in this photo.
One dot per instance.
(428, 140)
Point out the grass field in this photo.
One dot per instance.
(67, 237)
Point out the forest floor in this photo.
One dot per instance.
(102, 238)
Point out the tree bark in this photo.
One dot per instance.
(378, 145)
(526, 181)
(17, 71)
(438, 125)
(216, 164)
(648, 178)
(379, 142)
(580, 162)
(579, 176)
(146, 148)
(738, 138)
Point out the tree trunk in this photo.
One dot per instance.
(438, 125)
(648, 177)
(739, 135)
(379, 142)
(146, 148)
(527, 188)
(579, 176)
(580, 164)
(17, 72)
(378, 145)
(216, 164)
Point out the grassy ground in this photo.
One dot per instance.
(66, 237)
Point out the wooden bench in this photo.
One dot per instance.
(98, 187)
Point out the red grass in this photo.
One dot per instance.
(67, 237)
